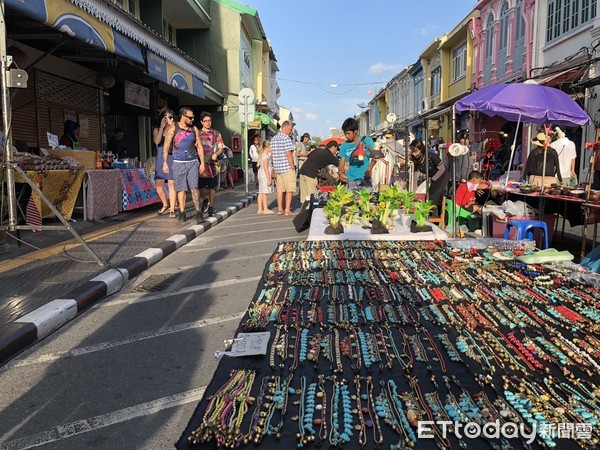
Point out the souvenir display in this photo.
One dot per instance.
(381, 344)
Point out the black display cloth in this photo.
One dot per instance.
(420, 301)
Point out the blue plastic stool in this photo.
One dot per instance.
(525, 229)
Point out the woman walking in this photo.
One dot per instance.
(158, 137)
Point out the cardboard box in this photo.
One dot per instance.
(86, 158)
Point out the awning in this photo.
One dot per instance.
(64, 16)
(437, 113)
(564, 76)
(260, 119)
(167, 72)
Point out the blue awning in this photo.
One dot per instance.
(69, 19)
(175, 76)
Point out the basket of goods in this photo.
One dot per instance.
(528, 188)
(594, 196)
(577, 193)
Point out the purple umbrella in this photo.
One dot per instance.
(525, 102)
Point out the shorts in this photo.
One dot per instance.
(185, 175)
(208, 183)
(286, 182)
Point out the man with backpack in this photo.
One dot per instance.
(212, 144)
(354, 164)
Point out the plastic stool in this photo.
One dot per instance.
(525, 229)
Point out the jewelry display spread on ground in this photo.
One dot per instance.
(410, 345)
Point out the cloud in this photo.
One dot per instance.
(383, 67)
(311, 117)
(428, 29)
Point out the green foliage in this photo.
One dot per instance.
(406, 199)
(389, 200)
(422, 211)
(339, 199)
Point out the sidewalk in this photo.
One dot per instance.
(43, 289)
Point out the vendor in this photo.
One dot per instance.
(471, 191)
(318, 159)
(429, 162)
(70, 137)
(534, 167)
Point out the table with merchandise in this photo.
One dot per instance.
(423, 344)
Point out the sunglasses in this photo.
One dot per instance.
(189, 117)
(169, 117)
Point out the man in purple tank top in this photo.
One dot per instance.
(188, 160)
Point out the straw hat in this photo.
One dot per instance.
(539, 140)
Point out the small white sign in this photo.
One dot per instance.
(52, 140)
(247, 344)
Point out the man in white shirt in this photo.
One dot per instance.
(567, 155)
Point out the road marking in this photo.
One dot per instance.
(288, 238)
(140, 297)
(52, 357)
(67, 430)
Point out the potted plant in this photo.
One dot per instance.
(421, 213)
(335, 208)
(406, 206)
(389, 201)
(352, 214)
(363, 199)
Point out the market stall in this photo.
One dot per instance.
(384, 344)
(59, 186)
(102, 194)
(137, 190)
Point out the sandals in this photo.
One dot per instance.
(172, 215)
(162, 210)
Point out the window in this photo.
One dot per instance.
(519, 22)
(133, 7)
(567, 15)
(489, 38)
(459, 62)
(504, 26)
(168, 33)
(436, 80)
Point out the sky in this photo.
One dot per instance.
(357, 46)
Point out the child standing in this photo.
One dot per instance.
(265, 181)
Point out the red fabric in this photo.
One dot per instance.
(32, 215)
(463, 195)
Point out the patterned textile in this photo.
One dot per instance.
(103, 197)
(137, 190)
(59, 186)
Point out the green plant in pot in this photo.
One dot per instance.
(363, 199)
(352, 214)
(406, 206)
(334, 209)
(421, 213)
(389, 201)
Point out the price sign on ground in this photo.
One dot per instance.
(247, 344)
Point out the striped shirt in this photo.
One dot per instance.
(280, 145)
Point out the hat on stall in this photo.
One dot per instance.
(539, 140)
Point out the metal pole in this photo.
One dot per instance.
(8, 154)
(453, 174)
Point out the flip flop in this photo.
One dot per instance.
(162, 210)
(172, 215)
(268, 211)
(289, 213)
(280, 213)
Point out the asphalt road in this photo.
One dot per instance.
(129, 372)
